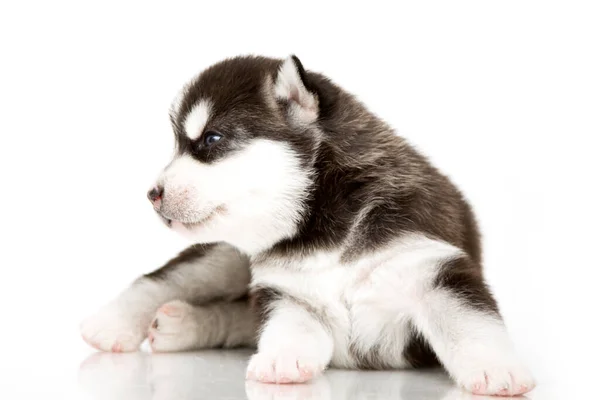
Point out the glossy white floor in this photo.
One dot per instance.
(77, 372)
(220, 375)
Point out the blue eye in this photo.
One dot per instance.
(211, 137)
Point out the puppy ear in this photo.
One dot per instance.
(291, 87)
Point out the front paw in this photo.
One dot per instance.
(112, 329)
(286, 367)
(497, 379)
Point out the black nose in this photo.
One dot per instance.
(155, 194)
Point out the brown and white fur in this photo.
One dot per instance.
(322, 238)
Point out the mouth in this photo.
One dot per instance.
(219, 210)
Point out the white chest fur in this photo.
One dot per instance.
(366, 303)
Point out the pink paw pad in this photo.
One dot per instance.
(305, 374)
(482, 388)
(117, 348)
(170, 310)
(522, 390)
(478, 388)
(282, 369)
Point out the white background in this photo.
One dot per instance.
(503, 96)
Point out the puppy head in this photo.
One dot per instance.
(245, 132)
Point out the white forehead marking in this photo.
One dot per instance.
(196, 119)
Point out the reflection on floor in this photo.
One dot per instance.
(219, 374)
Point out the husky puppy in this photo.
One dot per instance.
(322, 238)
